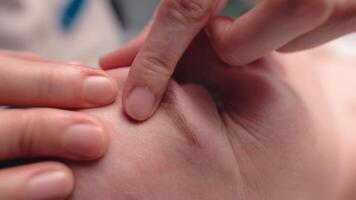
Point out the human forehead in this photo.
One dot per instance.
(179, 110)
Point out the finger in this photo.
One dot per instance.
(269, 26)
(41, 181)
(173, 29)
(35, 57)
(22, 54)
(33, 83)
(341, 22)
(124, 56)
(49, 132)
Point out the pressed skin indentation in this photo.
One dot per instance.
(169, 105)
(215, 95)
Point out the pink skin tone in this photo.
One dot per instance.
(282, 25)
(36, 125)
(263, 131)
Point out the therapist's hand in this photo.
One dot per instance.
(27, 80)
(285, 25)
(174, 26)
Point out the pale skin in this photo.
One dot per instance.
(27, 80)
(266, 131)
(282, 25)
(37, 90)
(158, 158)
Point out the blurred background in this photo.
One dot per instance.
(136, 12)
(85, 29)
(78, 29)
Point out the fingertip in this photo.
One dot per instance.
(60, 134)
(140, 103)
(99, 90)
(86, 141)
(106, 60)
(39, 181)
(55, 181)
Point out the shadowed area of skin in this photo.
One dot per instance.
(257, 132)
(162, 156)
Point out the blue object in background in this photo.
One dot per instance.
(70, 13)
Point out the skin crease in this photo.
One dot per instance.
(258, 132)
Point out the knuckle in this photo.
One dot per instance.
(59, 85)
(27, 135)
(82, 72)
(155, 68)
(190, 10)
(76, 90)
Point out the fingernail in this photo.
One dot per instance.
(140, 103)
(85, 141)
(99, 90)
(49, 185)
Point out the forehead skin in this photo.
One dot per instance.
(267, 140)
(178, 154)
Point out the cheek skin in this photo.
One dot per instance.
(153, 164)
(277, 142)
(155, 161)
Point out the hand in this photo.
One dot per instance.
(284, 25)
(27, 80)
(174, 26)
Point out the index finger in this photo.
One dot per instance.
(30, 82)
(175, 25)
